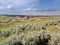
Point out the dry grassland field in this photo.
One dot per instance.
(29, 30)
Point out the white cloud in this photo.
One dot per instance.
(9, 6)
(27, 9)
(41, 13)
(6, 7)
(30, 8)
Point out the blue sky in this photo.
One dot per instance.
(29, 6)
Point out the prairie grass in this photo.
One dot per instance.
(30, 32)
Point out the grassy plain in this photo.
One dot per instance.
(17, 25)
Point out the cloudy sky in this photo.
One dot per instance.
(29, 6)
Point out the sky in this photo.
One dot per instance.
(30, 7)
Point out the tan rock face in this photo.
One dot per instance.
(38, 19)
(15, 19)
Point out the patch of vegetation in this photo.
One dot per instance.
(23, 31)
